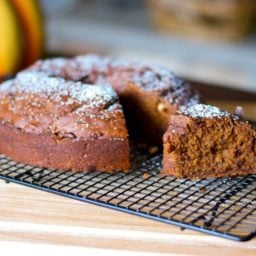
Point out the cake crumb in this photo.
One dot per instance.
(145, 175)
(152, 150)
(161, 107)
(239, 111)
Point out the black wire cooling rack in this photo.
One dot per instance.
(221, 207)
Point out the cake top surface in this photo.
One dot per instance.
(96, 69)
(33, 82)
(150, 77)
(206, 111)
(37, 103)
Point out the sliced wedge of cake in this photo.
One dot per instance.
(204, 141)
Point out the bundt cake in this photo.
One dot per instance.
(51, 122)
(204, 141)
(148, 94)
(65, 114)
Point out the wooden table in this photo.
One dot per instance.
(39, 223)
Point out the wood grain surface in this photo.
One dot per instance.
(31, 216)
(33, 222)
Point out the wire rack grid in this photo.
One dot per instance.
(222, 207)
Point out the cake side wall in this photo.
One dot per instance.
(43, 150)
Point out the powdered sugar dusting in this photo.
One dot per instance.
(38, 83)
(48, 63)
(96, 69)
(151, 78)
(205, 111)
(6, 86)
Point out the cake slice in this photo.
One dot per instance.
(204, 141)
(148, 94)
(54, 123)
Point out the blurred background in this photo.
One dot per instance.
(209, 42)
(206, 40)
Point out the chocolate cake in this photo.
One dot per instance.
(204, 141)
(50, 122)
(149, 94)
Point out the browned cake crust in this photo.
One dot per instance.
(149, 94)
(54, 123)
(45, 122)
(204, 142)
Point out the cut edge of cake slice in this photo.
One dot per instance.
(204, 142)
